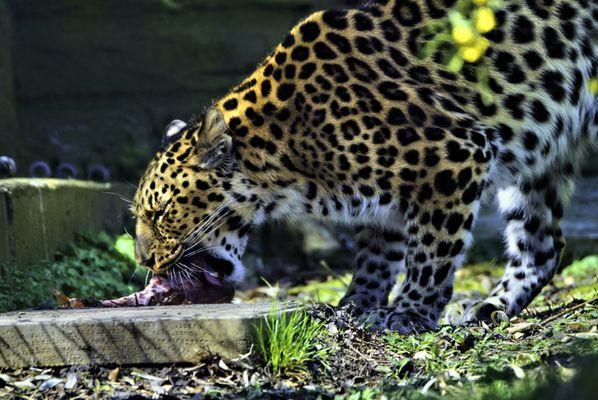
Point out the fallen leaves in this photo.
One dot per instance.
(549, 335)
(50, 383)
(521, 328)
(71, 381)
(422, 355)
(114, 374)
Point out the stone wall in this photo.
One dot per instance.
(40, 216)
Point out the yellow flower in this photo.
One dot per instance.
(594, 86)
(480, 3)
(484, 19)
(463, 34)
(473, 52)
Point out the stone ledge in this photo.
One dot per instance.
(38, 216)
(128, 336)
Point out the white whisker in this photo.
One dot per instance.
(137, 269)
(208, 232)
(202, 231)
(200, 268)
(215, 213)
(121, 197)
(202, 250)
(128, 234)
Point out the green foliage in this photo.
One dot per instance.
(583, 267)
(478, 278)
(330, 291)
(125, 245)
(362, 394)
(91, 266)
(287, 341)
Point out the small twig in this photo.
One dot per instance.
(341, 278)
(568, 310)
(365, 357)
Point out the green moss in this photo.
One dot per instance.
(584, 267)
(477, 277)
(91, 266)
(585, 292)
(330, 291)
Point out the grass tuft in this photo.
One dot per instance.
(288, 341)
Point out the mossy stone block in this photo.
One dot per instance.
(129, 336)
(38, 216)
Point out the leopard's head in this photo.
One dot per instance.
(194, 206)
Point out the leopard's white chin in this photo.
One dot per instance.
(238, 272)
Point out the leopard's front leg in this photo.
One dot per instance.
(436, 243)
(381, 256)
(438, 234)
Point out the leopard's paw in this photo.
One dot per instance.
(473, 311)
(399, 320)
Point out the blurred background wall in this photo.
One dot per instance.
(96, 81)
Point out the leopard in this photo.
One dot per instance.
(345, 121)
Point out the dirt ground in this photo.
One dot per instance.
(549, 352)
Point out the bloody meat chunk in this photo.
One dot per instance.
(160, 291)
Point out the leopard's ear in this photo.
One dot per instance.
(172, 132)
(215, 144)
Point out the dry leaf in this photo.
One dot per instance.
(518, 335)
(428, 385)
(113, 375)
(222, 365)
(577, 326)
(148, 377)
(61, 298)
(129, 380)
(519, 373)
(156, 388)
(49, 384)
(245, 379)
(71, 381)
(26, 384)
(42, 377)
(522, 327)
(422, 355)
(585, 335)
(453, 374)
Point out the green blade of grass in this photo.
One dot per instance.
(287, 340)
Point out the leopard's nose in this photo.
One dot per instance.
(142, 254)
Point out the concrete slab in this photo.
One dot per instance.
(128, 336)
(38, 216)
